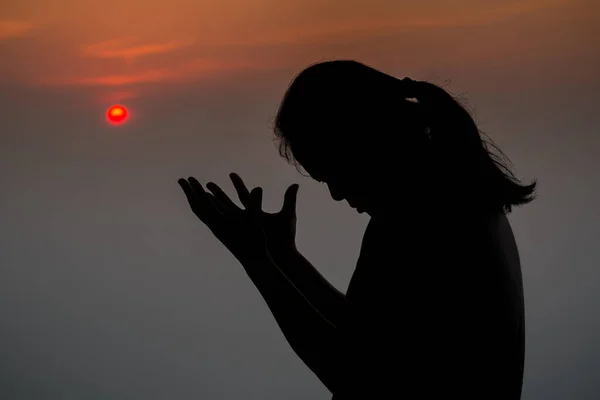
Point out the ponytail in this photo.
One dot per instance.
(458, 149)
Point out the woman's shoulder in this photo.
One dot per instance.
(394, 246)
(412, 226)
(422, 243)
(431, 227)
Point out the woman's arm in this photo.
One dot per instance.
(312, 337)
(308, 332)
(308, 280)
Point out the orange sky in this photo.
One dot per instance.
(121, 44)
(94, 226)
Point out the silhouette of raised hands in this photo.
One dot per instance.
(238, 229)
(246, 232)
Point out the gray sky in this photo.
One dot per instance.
(109, 286)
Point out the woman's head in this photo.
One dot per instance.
(379, 141)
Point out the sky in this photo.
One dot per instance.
(109, 286)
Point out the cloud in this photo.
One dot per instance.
(483, 14)
(121, 48)
(11, 29)
(185, 72)
(118, 96)
(148, 76)
(315, 24)
(249, 48)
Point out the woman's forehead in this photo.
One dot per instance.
(310, 161)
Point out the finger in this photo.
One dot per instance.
(205, 198)
(255, 206)
(189, 193)
(256, 199)
(289, 199)
(240, 188)
(202, 205)
(187, 189)
(197, 188)
(222, 197)
(217, 204)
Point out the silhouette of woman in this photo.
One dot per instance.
(435, 305)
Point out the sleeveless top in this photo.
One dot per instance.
(436, 308)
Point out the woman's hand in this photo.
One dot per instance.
(238, 229)
(279, 228)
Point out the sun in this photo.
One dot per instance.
(117, 114)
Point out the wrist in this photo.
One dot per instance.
(281, 252)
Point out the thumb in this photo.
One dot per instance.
(289, 199)
(255, 210)
(255, 200)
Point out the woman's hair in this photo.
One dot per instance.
(334, 103)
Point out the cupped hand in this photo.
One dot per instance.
(238, 229)
(280, 227)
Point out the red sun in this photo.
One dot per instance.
(117, 114)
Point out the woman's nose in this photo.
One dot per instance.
(335, 192)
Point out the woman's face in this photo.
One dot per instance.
(348, 178)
